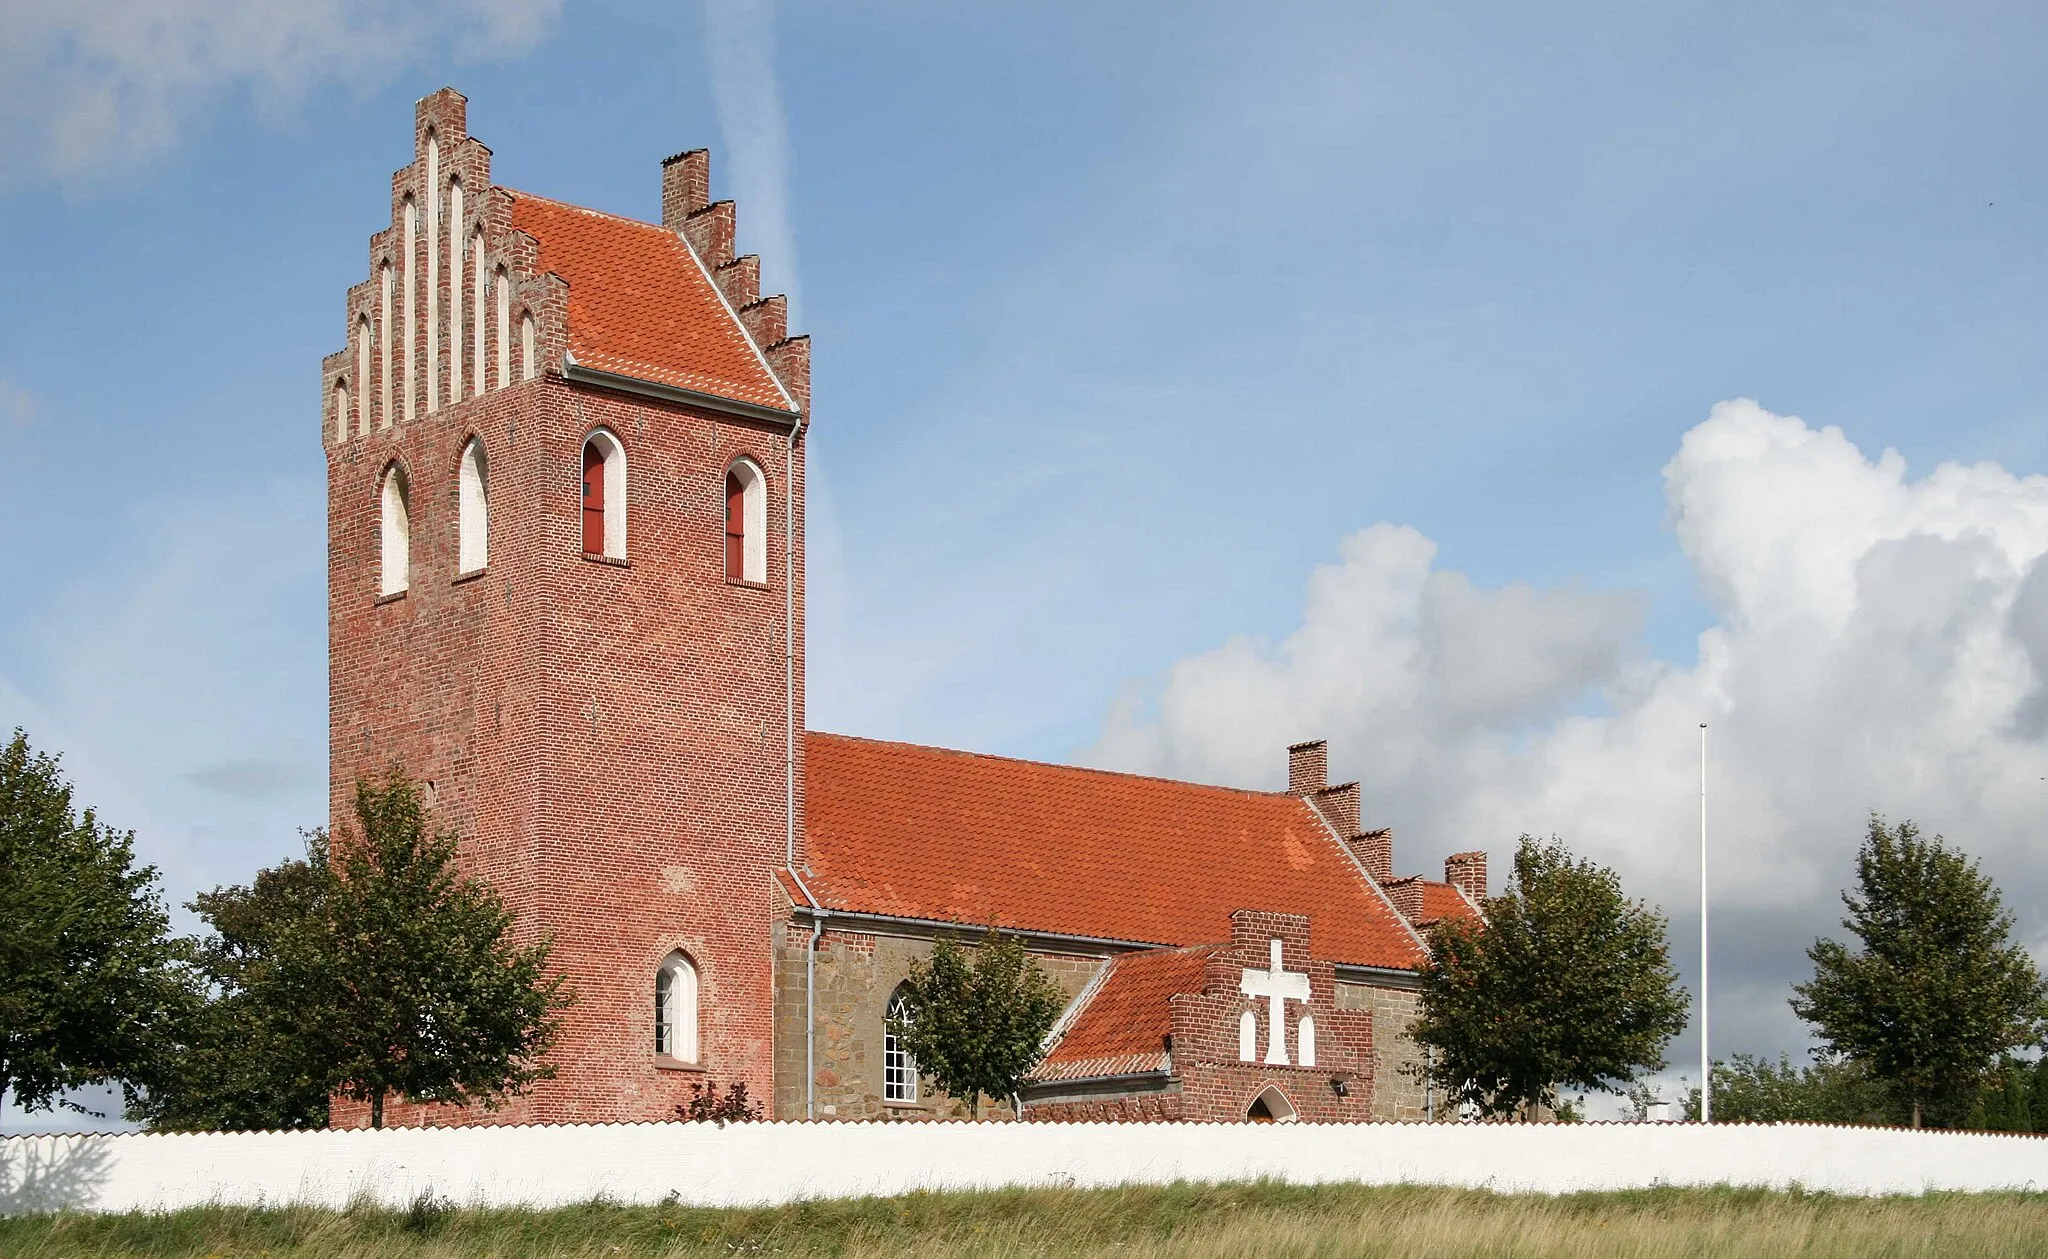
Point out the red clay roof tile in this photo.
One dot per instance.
(1444, 900)
(1122, 1029)
(927, 833)
(641, 306)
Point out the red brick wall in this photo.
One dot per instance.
(608, 739)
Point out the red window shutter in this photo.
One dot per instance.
(593, 500)
(735, 528)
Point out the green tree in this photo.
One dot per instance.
(408, 981)
(2006, 1102)
(1939, 990)
(1567, 983)
(1749, 1089)
(240, 1059)
(88, 972)
(977, 1021)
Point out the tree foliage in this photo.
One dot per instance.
(1749, 1089)
(1567, 984)
(240, 1060)
(89, 976)
(370, 969)
(420, 990)
(978, 1021)
(1938, 990)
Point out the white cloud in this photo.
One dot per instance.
(740, 45)
(1880, 643)
(87, 84)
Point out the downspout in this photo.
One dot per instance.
(818, 916)
(789, 646)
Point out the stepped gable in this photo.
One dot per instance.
(925, 833)
(641, 305)
(1123, 1027)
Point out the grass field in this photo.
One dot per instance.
(1207, 1221)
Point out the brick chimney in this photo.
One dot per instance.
(685, 186)
(1467, 871)
(1308, 767)
(1375, 851)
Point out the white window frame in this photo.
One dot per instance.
(473, 509)
(614, 452)
(754, 506)
(899, 1069)
(394, 555)
(676, 1009)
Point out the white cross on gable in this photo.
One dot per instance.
(1278, 986)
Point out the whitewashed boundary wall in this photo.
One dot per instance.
(771, 1163)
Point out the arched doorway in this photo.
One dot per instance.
(1270, 1106)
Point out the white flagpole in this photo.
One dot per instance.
(1706, 1057)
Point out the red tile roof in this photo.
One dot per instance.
(641, 306)
(1122, 1030)
(918, 832)
(1444, 900)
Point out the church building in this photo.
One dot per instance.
(565, 469)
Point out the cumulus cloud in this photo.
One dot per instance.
(740, 44)
(1879, 642)
(86, 84)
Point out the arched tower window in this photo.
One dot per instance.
(746, 523)
(473, 509)
(529, 358)
(675, 1009)
(340, 410)
(604, 496)
(362, 382)
(408, 334)
(395, 554)
(899, 1069)
(503, 288)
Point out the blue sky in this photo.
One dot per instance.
(1131, 323)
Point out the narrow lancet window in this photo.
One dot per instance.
(340, 410)
(395, 555)
(455, 250)
(675, 1009)
(746, 523)
(362, 384)
(411, 329)
(1305, 1041)
(604, 496)
(384, 346)
(478, 285)
(899, 1069)
(433, 328)
(529, 356)
(473, 509)
(504, 290)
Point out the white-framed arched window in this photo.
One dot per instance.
(746, 522)
(604, 495)
(675, 1008)
(395, 552)
(899, 1069)
(1305, 1041)
(340, 410)
(1247, 1036)
(473, 509)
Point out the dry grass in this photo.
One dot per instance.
(1194, 1221)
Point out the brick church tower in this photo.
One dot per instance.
(565, 471)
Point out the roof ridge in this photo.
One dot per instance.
(584, 209)
(1057, 765)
